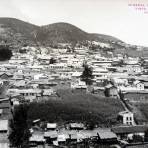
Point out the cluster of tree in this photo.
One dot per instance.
(19, 129)
(87, 74)
(54, 111)
(106, 92)
(75, 107)
(5, 53)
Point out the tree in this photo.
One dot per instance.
(87, 75)
(121, 95)
(5, 53)
(19, 130)
(52, 61)
(106, 92)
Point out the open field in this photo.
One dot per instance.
(143, 107)
(77, 107)
(138, 104)
(140, 111)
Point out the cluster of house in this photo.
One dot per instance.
(127, 74)
(72, 133)
(77, 133)
(34, 76)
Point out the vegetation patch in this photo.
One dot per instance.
(144, 109)
(77, 107)
(5, 53)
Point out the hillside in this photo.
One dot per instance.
(67, 33)
(16, 31)
(105, 38)
(61, 33)
(19, 32)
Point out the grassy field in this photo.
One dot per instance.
(140, 111)
(138, 104)
(143, 107)
(77, 107)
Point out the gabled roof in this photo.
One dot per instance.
(125, 113)
(6, 73)
(106, 134)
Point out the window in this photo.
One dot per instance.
(128, 123)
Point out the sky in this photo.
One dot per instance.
(118, 18)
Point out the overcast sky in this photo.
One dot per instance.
(112, 17)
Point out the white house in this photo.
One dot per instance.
(51, 126)
(40, 76)
(139, 85)
(127, 118)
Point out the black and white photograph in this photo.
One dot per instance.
(73, 73)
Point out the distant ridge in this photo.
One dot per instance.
(106, 37)
(20, 32)
(61, 33)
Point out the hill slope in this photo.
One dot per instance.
(61, 33)
(16, 31)
(19, 32)
(105, 38)
(67, 33)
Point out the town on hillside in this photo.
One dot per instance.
(74, 97)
